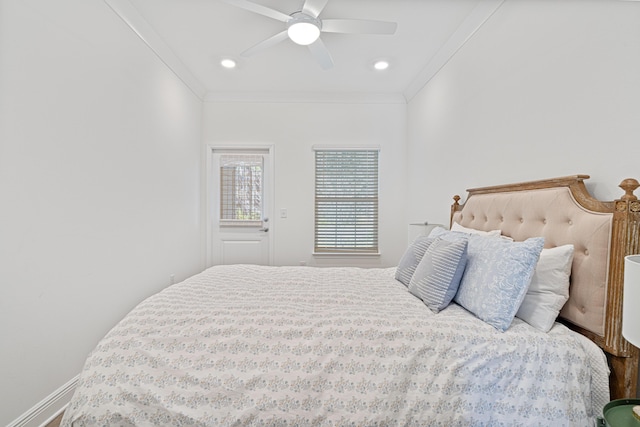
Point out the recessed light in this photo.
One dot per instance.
(228, 63)
(381, 65)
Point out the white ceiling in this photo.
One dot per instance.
(192, 36)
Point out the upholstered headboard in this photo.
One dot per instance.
(563, 212)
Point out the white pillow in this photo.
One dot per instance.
(444, 234)
(462, 229)
(549, 288)
(437, 232)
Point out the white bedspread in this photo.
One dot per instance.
(300, 346)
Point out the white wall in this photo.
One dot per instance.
(544, 89)
(293, 128)
(100, 170)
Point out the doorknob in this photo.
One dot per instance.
(264, 229)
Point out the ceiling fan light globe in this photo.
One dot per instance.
(303, 33)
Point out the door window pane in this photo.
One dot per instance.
(241, 185)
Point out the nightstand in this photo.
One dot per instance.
(617, 413)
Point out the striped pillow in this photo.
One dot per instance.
(437, 277)
(411, 258)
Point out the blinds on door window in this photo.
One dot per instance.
(241, 185)
(346, 201)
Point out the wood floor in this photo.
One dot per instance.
(56, 421)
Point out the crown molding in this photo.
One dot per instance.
(132, 17)
(476, 19)
(306, 97)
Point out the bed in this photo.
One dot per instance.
(302, 346)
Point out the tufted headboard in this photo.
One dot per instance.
(563, 212)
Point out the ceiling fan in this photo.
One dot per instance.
(304, 27)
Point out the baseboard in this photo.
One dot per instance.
(49, 408)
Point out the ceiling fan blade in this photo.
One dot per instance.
(259, 9)
(265, 44)
(320, 52)
(314, 7)
(358, 26)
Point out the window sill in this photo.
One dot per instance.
(345, 254)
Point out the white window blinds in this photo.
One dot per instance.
(241, 190)
(346, 204)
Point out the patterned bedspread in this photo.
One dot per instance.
(300, 346)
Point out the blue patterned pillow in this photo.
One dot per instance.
(411, 258)
(496, 277)
(437, 277)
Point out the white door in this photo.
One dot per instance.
(240, 190)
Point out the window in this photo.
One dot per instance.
(346, 209)
(241, 190)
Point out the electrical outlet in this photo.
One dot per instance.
(283, 213)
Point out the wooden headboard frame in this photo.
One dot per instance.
(624, 240)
